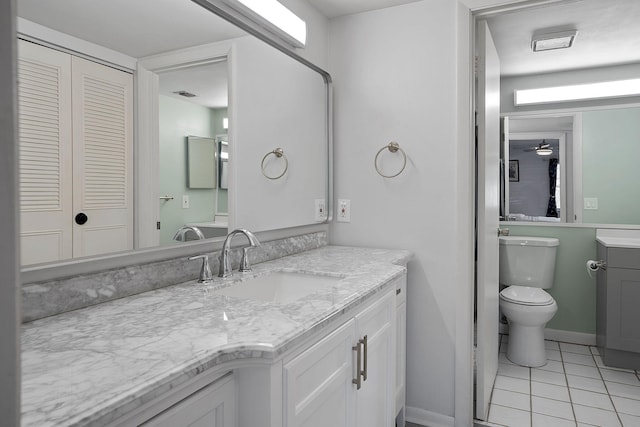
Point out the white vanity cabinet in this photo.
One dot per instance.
(322, 385)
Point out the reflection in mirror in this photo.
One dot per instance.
(595, 174)
(598, 149)
(271, 102)
(535, 179)
(193, 101)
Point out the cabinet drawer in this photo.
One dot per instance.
(623, 258)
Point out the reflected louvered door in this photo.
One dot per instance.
(103, 154)
(44, 93)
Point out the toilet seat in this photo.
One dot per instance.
(525, 295)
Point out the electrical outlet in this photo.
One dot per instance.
(344, 210)
(320, 210)
(185, 202)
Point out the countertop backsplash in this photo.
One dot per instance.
(43, 299)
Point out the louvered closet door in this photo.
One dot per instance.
(103, 154)
(44, 117)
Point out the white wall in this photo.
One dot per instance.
(396, 76)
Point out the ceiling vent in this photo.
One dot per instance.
(551, 41)
(185, 94)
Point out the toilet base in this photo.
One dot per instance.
(526, 345)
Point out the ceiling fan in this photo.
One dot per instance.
(542, 149)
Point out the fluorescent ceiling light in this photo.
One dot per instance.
(276, 17)
(551, 41)
(613, 89)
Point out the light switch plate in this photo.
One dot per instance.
(591, 203)
(185, 202)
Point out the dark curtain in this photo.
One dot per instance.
(552, 210)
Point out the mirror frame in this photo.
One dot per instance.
(146, 86)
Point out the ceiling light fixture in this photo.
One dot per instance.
(613, 89)
(272, 15)
(551, 41)
(543, 149)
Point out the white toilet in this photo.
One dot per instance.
(527, 265)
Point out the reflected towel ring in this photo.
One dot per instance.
(278, 152)
(393, 147)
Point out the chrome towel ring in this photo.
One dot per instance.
(278, 152)
(393, 147)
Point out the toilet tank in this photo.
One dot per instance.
(527, 261)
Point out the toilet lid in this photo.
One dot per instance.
(526, 295)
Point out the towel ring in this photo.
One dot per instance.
(393, 147)
(278, 152)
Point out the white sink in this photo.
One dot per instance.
(279, 287)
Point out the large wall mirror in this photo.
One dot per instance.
(570, 162)
(189, 73)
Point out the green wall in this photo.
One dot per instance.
(179, 119)
(573, 289)
(611, 168)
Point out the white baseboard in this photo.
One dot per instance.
(428, 418)
(563, 336)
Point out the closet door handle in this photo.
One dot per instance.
(357, 381)
(81, 218)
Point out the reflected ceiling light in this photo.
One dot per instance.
(614, 89)
(551, 41)
(275, 17)
(543, 149)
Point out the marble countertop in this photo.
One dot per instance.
(93, 365)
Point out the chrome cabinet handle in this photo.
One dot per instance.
(358, 351)
(364, 371)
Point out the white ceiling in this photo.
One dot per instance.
(208, 82)
(608, 34)
(137, 28)
(335, 8)
(608, 30)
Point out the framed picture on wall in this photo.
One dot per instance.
(514, 171)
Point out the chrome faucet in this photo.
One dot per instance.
(205, 271)
(225, 269)
(181, 234)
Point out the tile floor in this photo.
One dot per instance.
(574, 389)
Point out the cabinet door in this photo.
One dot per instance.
(319, 391)
(375, 401)
(212, 406)
(44, 135)
(623, 316)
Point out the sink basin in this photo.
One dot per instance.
(279, 287)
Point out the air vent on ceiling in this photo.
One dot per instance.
(185, 94)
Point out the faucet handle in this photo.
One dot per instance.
(245, 266)
(205, 271)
